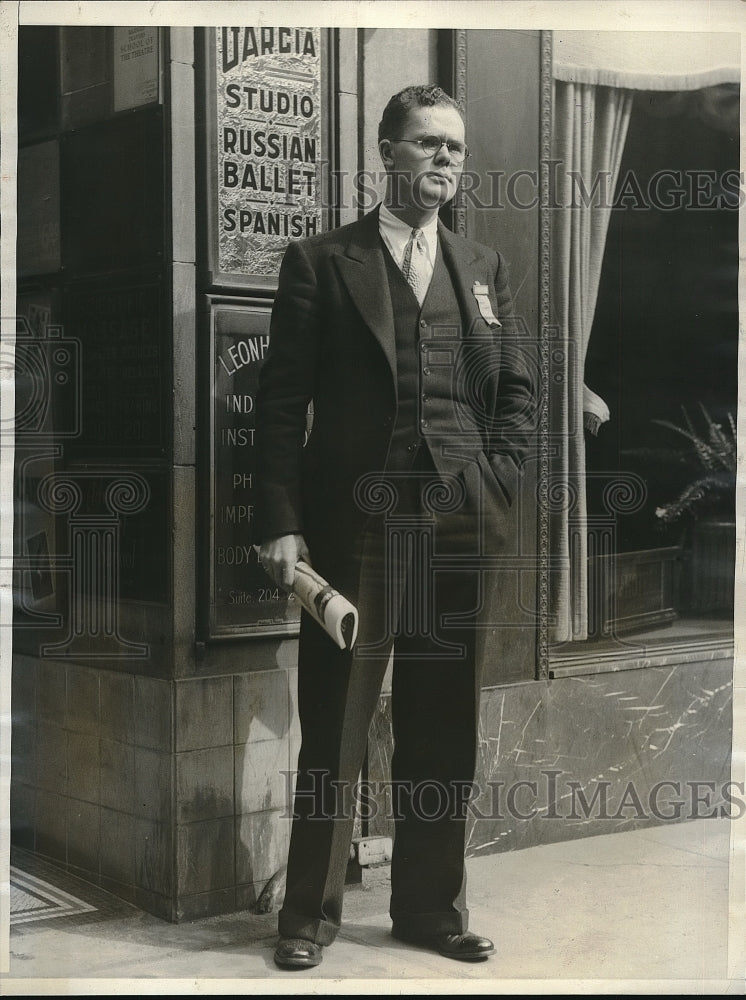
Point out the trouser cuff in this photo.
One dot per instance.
(427, 924)
(296, 925)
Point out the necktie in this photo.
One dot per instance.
(413, 263)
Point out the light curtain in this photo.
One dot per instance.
(595, 74)
(590, 128)
(647, 60)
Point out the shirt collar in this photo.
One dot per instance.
(399, 232)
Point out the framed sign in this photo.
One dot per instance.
(266, 148)
(242, 599)
(135, 58)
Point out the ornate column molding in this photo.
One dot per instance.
(459, 94)
(545, 153)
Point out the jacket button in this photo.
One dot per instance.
(423, 324)
(423, 347)
(423, 423)
(426, 371)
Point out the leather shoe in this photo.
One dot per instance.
(297, 953)
(466, 947)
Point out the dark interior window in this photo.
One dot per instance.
(665, 332)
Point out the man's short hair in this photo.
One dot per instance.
(395, 113)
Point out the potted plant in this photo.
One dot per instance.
(707, 505)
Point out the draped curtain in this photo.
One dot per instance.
(595, 75)
(646, 60)
(590, 129)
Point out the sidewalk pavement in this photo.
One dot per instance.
(649, 907)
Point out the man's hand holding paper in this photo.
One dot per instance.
(286, 559)
(279, 556)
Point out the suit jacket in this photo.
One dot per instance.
(332, 341)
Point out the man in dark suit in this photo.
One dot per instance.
(396, 331)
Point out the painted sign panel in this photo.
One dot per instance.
(264, 152)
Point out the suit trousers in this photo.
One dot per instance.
(435, 708)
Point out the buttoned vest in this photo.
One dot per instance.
(416, 328)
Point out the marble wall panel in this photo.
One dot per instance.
(588, 755)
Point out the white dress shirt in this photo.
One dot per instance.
(395, 234)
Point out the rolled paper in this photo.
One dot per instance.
(336, 615)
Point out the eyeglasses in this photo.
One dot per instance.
(431, 144)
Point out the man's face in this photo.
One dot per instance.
(425, 182)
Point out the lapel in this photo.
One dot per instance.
(363, 271)
(465, 268)
(362, 268)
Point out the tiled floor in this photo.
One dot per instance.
(33, 899)
(59, 896)
(649, 907)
